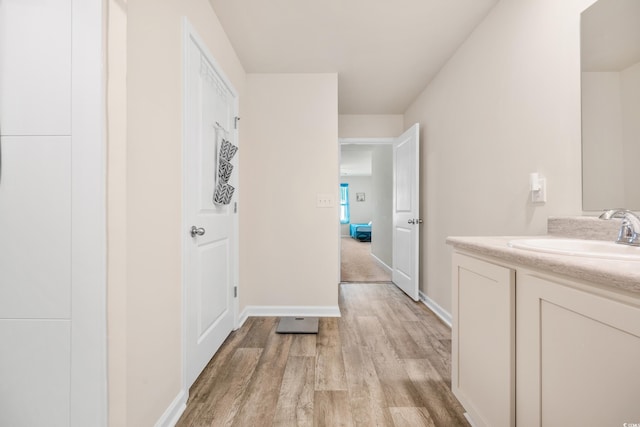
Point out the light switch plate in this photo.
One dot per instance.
(325, 200)
(540, 196)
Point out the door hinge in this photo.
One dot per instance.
(236, 119)
(235, 292)
(235, 207)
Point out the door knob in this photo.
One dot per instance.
(415, 221)
(411, 221)
(195, 231)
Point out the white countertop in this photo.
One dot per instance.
(624, 275)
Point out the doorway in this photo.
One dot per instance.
(366, 167)
(400, 235)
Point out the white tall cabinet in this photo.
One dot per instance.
(52, 214)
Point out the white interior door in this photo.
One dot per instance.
(210, 254)
(52, 214)
(406, 211)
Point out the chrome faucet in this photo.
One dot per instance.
(630, 229)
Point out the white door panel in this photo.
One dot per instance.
(406, 212)
(37, 394)
(209, 258)
(212, 300)
(35, 83)
(404, 260)
(404, 177)
(35, 207)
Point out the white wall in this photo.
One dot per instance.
(370, 125)
(289, 247)
(506, 104)
(145, 198)
(360, 212)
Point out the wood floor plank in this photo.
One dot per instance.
(204, 383)
(443, 407)
(358, 298)
(366, 395)
(349, 334)
(259, 332)
(411, 417)
(261, 396)
(438, 351)
(432, 323)
(398, 389)
(223, 400)
(295, 403)
(330, 373)
(303, 345)
(404, 308)
(331, 409)
(402, 342)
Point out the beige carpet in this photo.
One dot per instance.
(357, 264)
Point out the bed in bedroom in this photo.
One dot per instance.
(361, 232)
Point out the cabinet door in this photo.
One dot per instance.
(578, 357)
(483, 340)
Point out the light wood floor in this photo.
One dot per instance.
(385, 362)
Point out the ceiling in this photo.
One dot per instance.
(385, 52)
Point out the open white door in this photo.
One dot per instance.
(406, 211)
(210, 250)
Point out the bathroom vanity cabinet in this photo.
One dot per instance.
(532, 348)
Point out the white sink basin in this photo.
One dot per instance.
(577, 247)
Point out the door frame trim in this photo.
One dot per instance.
(89, 212)
(189, 33)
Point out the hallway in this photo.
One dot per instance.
(385, 362)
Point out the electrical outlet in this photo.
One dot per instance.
(325, 200)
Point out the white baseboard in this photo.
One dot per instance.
(443, 314)
(469, 419)
(288, 311)
(381, 263)
(174, 411)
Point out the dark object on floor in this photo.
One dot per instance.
(297, 325)
(360, 232)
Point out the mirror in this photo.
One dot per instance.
(610, 55)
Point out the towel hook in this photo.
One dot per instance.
(219, 126)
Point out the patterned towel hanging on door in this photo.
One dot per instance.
(227, 150)
(223, 193)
